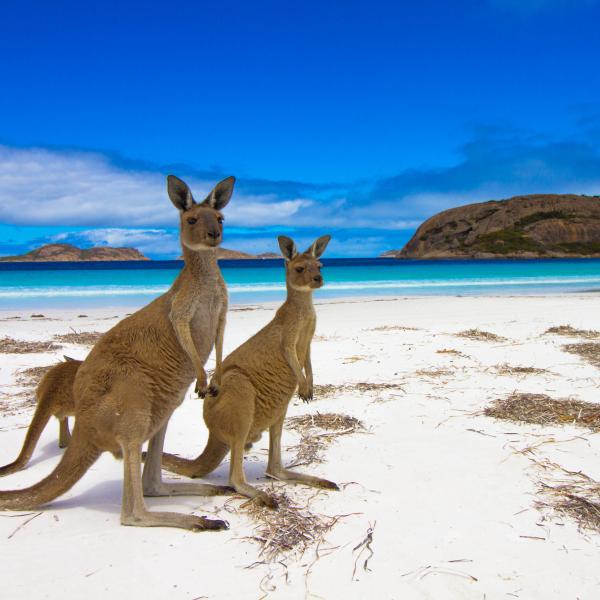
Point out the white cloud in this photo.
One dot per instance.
(153, 242)
(55, 187)
(252, 211)
(81, 189)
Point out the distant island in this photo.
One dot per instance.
(70, 253)
(226, 254)
(535, 226)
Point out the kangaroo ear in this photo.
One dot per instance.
(288, 247)
(180, 193)
(221, 194)
(319, 246)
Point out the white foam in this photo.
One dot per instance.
(241, 288)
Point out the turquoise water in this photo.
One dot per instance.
(34, 286)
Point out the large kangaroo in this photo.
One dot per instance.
(139, 371)
(258, 380)
(54, 396)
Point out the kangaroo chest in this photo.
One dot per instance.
(204, 322)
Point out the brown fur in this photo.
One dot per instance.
(139, 371)
(259, 379)
(54, 399)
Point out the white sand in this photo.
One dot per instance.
(450, 492)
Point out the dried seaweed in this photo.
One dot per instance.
(576, 496)
(506, 369)
(482, 336)
(29, 378)
(88, 338)
(393, 328)
(590, 351)
(328, 390)
(287, 532)
(326, 421)
(568, 330)
(434, 373)
(9, 345)
(312, 441)
(452, 352)
(544, 410)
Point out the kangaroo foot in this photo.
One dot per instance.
(13, 467)
(64, 434)
(328, 485)
(245, 489)
(267, 501)
(294, 477)
(170, 519)
(187, 489)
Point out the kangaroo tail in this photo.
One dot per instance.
(77, 459)
(211, 457)
(42, 415)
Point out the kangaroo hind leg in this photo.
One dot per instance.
(233, 415)
(152, 476)
(64, 434)
(276, 470)
(134, 511)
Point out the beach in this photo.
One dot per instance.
(437, 499)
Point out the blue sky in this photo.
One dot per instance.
(356, 118)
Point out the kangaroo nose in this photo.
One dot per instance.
(214, 234)
(318, 278)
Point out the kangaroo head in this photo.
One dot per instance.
(303, 271)
(201, 224)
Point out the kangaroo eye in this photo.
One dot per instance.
(220, 220)
(191, 220)
(299, 269)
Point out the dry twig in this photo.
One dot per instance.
(452, 352)
(23, 524)
(361, 547)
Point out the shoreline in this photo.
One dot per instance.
(94, 310)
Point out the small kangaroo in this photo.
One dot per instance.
(258, 380)
(54, 399)
(139, 371)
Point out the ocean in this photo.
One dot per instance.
(70, 285)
